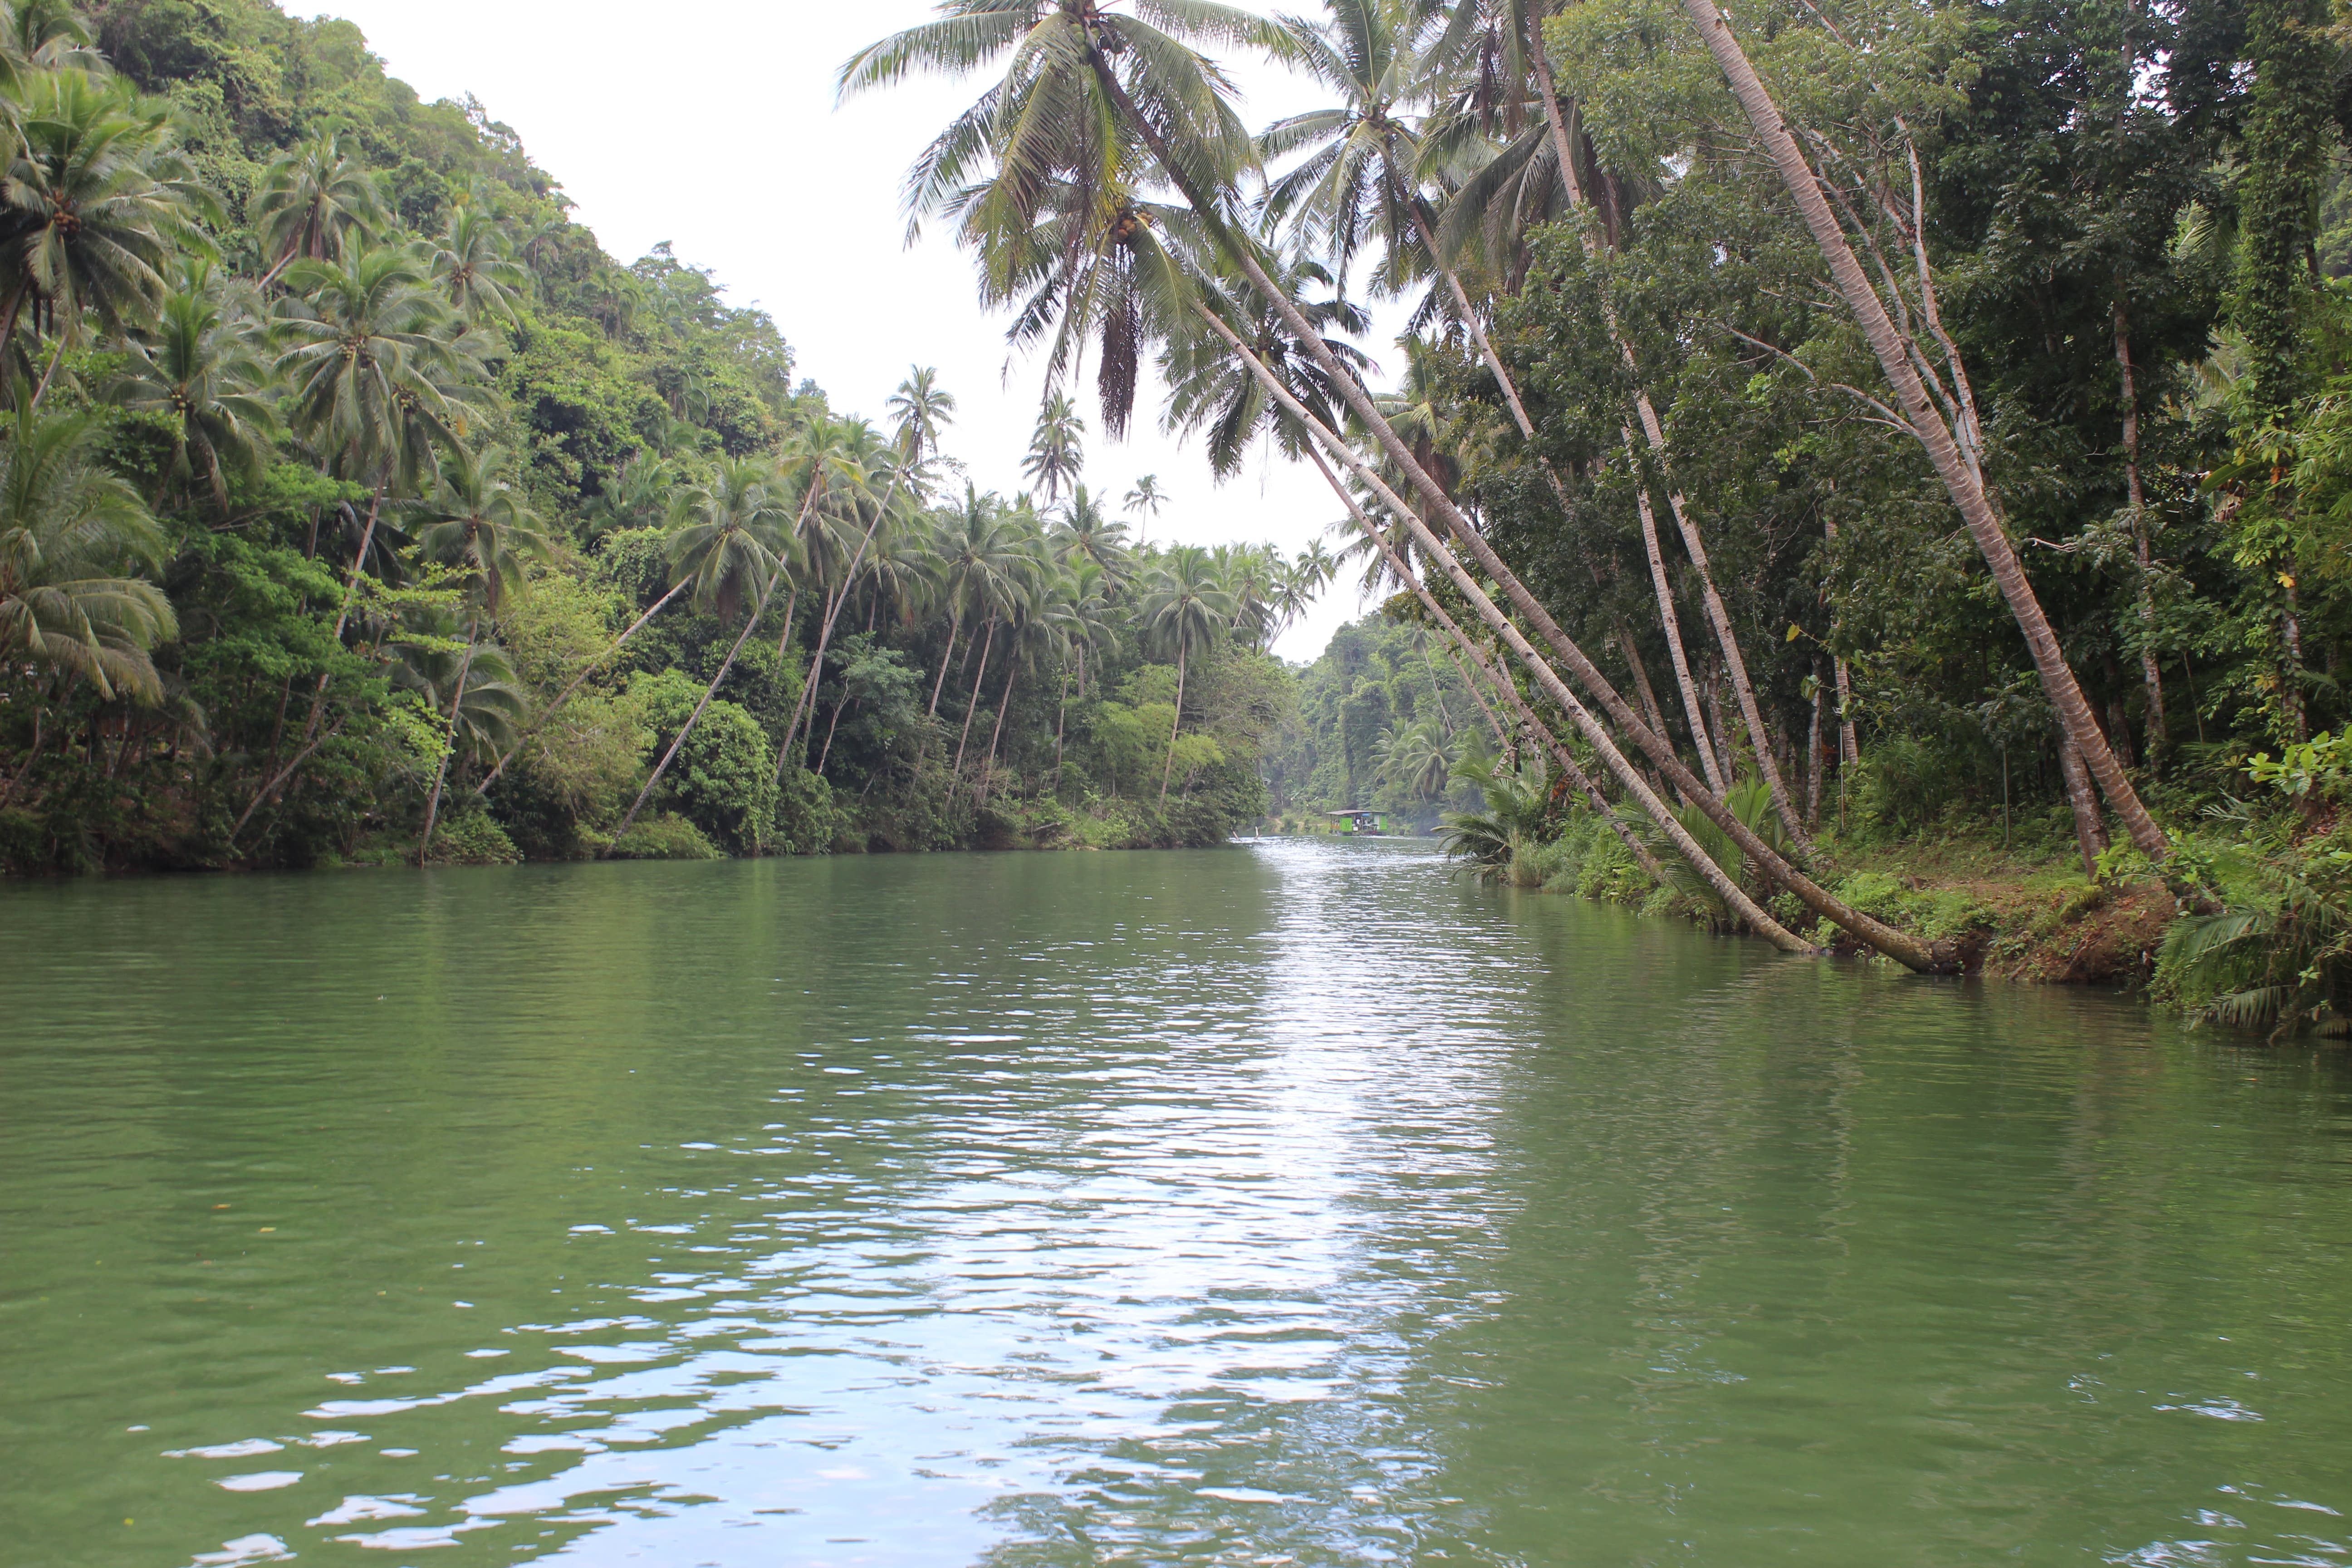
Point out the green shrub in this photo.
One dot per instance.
(472, 839)
(667, 836)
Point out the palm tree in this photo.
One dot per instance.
(850, 457)
(1055, 455)
(979, 553)
(1082, 532)
(205, 374)
(477, 522)
(922, 410)
(1183, 608)
(1416, 759)
(1144, 501)
(1005, 596)
(473, 265)
(731, 535)
(380, 379)
(96, 202)
(310, 201)
(73, 540)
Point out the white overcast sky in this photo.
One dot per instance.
(710, 123)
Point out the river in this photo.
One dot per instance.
(1298, 1202)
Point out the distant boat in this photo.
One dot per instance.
(1371, 822)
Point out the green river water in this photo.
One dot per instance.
(1288, 1203)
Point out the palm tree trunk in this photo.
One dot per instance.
(955, 624)
(1729, 752)
(1169, 766)
(1003, 703)
(2090, 833)
(1813, 757)
(1959, 476)
(449, 746)
(1673, 626)
(342, 616)
(2151, 674)
(838, 710)
(1061, 717)
(549, 713)
(824, 632)
(696, 717)
(1654, 434)
(43, 389)
(972, 705)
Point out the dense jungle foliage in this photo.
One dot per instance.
(1825, 424)
(354, 505)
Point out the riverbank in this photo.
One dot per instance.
(2020, 913)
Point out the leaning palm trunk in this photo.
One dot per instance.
(694, 718)
(1959, 476)
(1673, 626)
(955, 625)
(1476, 660)
(1175, 724)
(578, 680)
(825, 633)
(1906, 950)
(449, 745)
(987, 769)
(972, 705)
(2090, 833)
(1654, 433)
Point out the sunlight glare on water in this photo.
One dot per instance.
(1295, 1202)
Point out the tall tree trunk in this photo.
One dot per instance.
(1700, 739)
(955, 624)
(2291, 678)
(2090, 833)
(343, 618)
(1002, 705)
(1906, 950)
(449, 746)
(972, 705)
(549, 713)
(1061, 716)
(694, 718)
(1723, 737)
(839, 708)
(1168, 767)
(1956, 469)
(1909, 951)
(1813, 757)
(2150, 669)
(833, 603)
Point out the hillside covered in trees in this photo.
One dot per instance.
(356, 505)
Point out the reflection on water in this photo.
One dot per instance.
(1291, 1202)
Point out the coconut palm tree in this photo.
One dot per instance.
(1183, 609)
(477, 522)
(310, 201)
(730, 536)
(207, 374)
(979, 553)
(1144, 502)
(73, 540)
(474, 267)
(922, 410)
(381, 378)
(96, 204)
(1083, 531)
(1055, 454)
